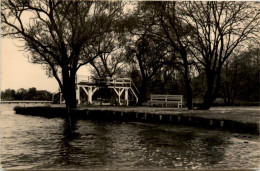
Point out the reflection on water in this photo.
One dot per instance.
(40, 143)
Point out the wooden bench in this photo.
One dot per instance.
(166, 99)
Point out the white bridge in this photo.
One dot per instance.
(119, 85)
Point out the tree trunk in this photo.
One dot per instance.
(69, 88)
(187, 81)
(212, 89)
(207, 101)
(189, 92)
(143, 92)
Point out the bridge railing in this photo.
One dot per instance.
(84, 78)
(108, 80)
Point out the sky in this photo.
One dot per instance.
(17, 72)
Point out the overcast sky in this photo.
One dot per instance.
(17, 72)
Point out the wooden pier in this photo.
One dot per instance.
(119, 85)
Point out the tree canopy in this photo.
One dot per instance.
(191, 42)
(218, 28)
(61, 35)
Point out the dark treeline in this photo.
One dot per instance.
(239, 83)
(204, 50)
(186, 48)
(23, 94)
(240, 80)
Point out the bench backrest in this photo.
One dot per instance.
(161, 97)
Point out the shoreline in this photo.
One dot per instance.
(227, 119)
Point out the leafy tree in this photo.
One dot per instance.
(32, 93)
(149, 57)
(111, 63)
(8, 94)
(59, 34)
(43, 95)
(2, 95)
(21, 94)
(144, 51)
(205, 34)
(171, 30)
(241, 77)
(166, 81)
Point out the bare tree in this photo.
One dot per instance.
(111, 63)
(217, 29)
(59, 34)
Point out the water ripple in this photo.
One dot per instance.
(39, 143)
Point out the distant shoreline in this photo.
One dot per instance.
(25, 101)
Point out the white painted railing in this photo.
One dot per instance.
(107, 81)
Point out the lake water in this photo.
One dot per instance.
(39, 143)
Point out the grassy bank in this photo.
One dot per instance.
(46, 111)
(239, 114)
(237, 119)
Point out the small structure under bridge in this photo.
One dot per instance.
(120, 85)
